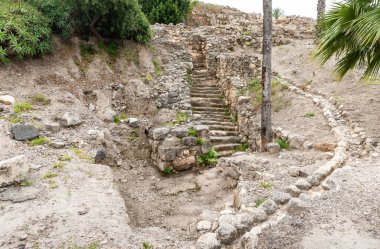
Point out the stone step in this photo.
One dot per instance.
(209, 109)
(210, 118)
(208, 100)
(223, 133)
(212, 114)
(226, 153)
(231, 127)
(203, 78)
(212, 82)
(215, 122)
(206, 92)
(206, 104)
(227, 147)
(225, 139)
(204, 95)
(205, 88)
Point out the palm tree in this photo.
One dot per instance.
(321, 9)
(277, 13)
(351, 31)
(266, 107)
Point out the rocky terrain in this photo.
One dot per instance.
(103, 151)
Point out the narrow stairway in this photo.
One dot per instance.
(207, 101)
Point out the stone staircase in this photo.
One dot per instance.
(207, 101)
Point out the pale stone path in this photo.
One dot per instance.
(207, 101)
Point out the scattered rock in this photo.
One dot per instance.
(160, 133)
(108, 115)
(83, 210)
(294, 171)
(133, 122)
(226, 233)
(281, 198)
(204, 225)
(100, 155)
(52, 126)
(209, 215)
(273, 148)
(13, 170)
(296, 141)
(22, 132)
(95, 134)
(243, 100)
(269, 206)
(325, 147)
(297, 207)
(293, 191)
(189, 141)
(180, 132)
(17, 195)
(302, 184)
(242, 222)
(208, 241)
(57, 144)
(7, 100)
(184, 163)
(259, 215)
(71, 119)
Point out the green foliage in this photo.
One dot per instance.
(49, 175)
(168, 171)
(265, 185)
(132, 54)
(310, 114)
(166, 11)
(277, 13)
(158, 68)
(116, 119)
(259, 201)
(59, 165)
(40, 98)
(117, 19)
(65, 158)
(244, 147)
(24, 32)
(350, 31)
(86, 50)
(283, 144)
(22, 107)
(181, 117)
(26, 183)
(192, 132)
(208, 159)
(147, 245)
(14, 119)
(199, 141)
(40, 141)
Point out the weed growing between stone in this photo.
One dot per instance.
(283, 144)
(208, 159)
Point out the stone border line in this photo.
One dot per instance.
(249, 219)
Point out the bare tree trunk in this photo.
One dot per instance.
(266, 107)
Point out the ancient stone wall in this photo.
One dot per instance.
(177, 148)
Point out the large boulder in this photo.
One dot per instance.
(226, 233)
(23, 132)
(71, 119)
(13, 170)
(7, 100)
(208, 241)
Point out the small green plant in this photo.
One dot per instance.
(79, 153)
(283, 144)
(133, 136)
(116, 119)
(39, 98)
(112, 49)
(265, 185)
(208, 159)
(22, 107)
(181, 117)
(259, 201)
(59, 165)
(168, 171)
(147, 245)
(14, 119)
(199, 141)
(65, 158)
(26, 183)
(48, 175)
(132, 54)
(53, 184)
(244, 147)
(87, 50)
(192, 132)
(158, 68)
(148, 77)
(40, 141)
(310, 114)
(277, 13)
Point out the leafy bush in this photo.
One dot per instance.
(119, 19)
(283, 144)
(192, 132)
(24, 32)
(208, 159)
(166, 11)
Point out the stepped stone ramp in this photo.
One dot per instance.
(207, 101)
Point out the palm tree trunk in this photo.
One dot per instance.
(321, 8)
(266, 107)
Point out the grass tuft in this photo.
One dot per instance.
(20, 107)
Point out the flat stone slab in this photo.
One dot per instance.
(19, 194)
(24, 132)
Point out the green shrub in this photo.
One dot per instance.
(283, 144)
(158, 68)
(199, 141)
(265, 185)
(40, 98)
(117, 19)
(181, 117)
(166, 11)
(40, 141)
(168, 171)
(24, 32)
(259, 201)
(310, 114)
(192, 132)
(22, 107)
(208, 159)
